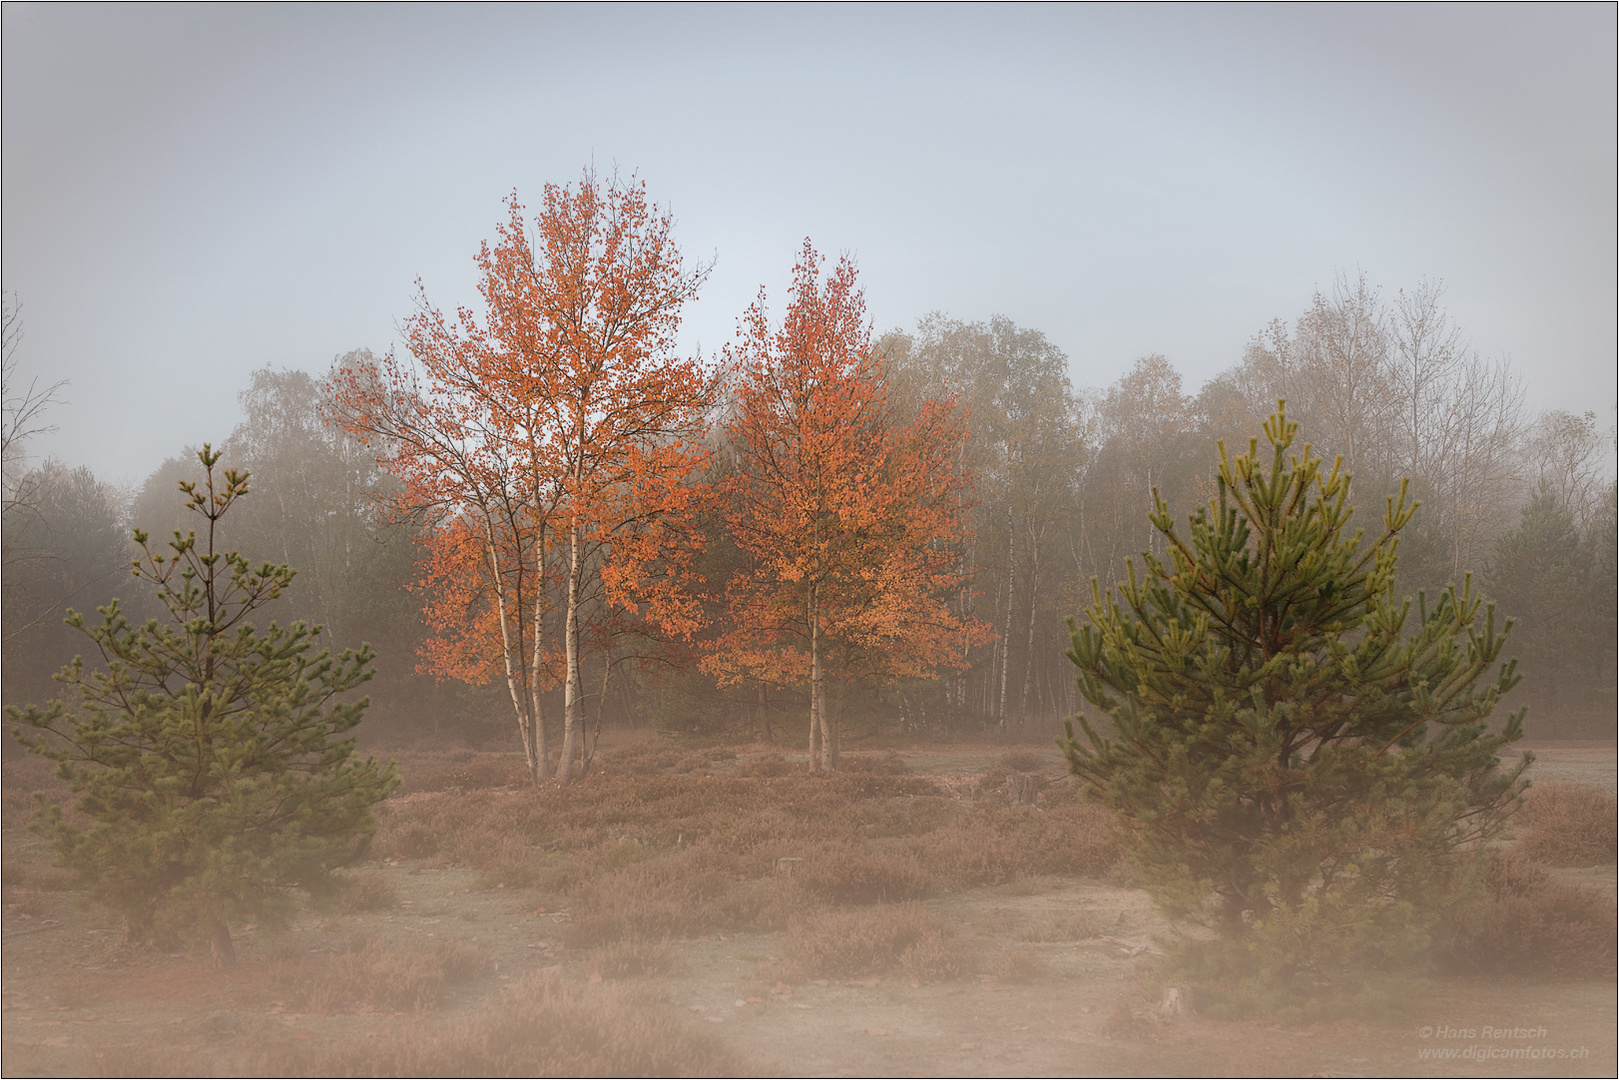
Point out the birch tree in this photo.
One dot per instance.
(850, 519)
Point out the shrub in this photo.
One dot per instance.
(847, 942)
(366, 891)
(1533, 924)
(395, 977)
(770, 903)
(408, 840)
(855, 873)
(674, 896)
(207, 754)
(1028, 761)
(994, 846)
(767, 765)
(937, 955)
(965, 854)
(1569, 825)
(1289, 770)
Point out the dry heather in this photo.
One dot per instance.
(543, 1028)
(1567, 824)
(634, 957)
(662, 844)
(365, 890)
(1030, 761)
(837, 943)
(671, 842)
(538, 1027)
(1533, 924)
(450, 770)
(855, 872)
(392, 978)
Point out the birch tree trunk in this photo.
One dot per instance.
(538, 754)
(571, 693)
(815, 681)
(830, 733)
(818, 690)
(1006, 637)
(1034, 596)
(513, 665)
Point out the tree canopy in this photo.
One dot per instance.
(207, 754)
(1301, 762)
(850, 521)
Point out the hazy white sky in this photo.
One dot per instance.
(193, 192)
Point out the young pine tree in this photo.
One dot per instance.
(1542, 574)
(1291, 771)
(205, 754)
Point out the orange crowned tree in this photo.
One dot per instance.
(849, 521)
(552, 444)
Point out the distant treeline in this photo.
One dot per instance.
(1064, 480)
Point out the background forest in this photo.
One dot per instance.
(1064, 475)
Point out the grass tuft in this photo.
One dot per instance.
(635, 957)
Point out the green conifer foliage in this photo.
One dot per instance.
(206, 754)
(1547, 578)
(1292, 772)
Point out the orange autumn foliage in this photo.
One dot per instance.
(550, 447)
(440, 428)
(851, 522)
(601, 294)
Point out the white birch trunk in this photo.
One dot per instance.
(571, 693)
(1006, 637)
(525, 718)
(539, 764)
(816, 700)
(1034, 594)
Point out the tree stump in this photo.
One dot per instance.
(1024, 789)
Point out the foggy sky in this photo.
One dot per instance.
(191, 193)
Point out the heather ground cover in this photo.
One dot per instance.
(692, 910)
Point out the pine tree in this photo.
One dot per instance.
(205, 753)
(1291, 771)
(1541, 574)
(1600, 647)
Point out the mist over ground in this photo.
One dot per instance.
(719, 595)
(192, 195)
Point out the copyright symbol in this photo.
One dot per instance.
(1426, 1033)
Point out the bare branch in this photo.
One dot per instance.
(23, 409)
